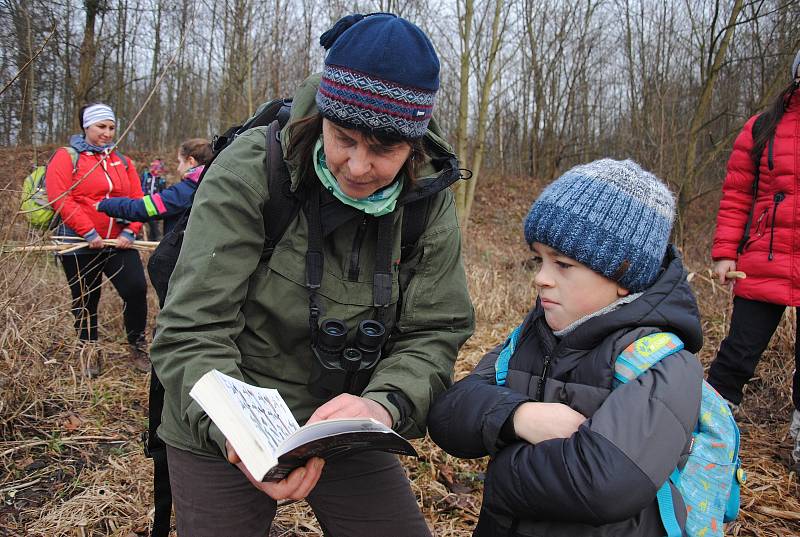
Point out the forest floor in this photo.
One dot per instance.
(71, 460)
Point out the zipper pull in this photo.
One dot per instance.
(777, 198)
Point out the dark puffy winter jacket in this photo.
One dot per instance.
(602, 481)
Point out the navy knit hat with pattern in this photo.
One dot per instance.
(381, 74)
(610, 215)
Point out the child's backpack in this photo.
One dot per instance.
(709, 481)
(34, 203)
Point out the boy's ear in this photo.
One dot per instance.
(621, 291)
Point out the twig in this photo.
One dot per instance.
(68, 440)
(778, 513)
(65, 248)
(29, 62)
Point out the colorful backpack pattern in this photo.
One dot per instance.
(34, 203)
(709, 481)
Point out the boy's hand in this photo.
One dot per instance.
(296, 486)
(537, 422)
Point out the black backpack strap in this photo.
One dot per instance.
(283, 205)
(415, 219)
(382, 276)
(314, 262)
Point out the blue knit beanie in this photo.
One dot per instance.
(610, 215)
(381, 74)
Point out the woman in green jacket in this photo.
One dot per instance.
(361, 151)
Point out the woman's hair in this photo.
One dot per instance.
(197, 148)
(305, 132)
(771, 118)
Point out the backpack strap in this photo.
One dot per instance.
(123, 158)
(637, 358)
(643, 354)
(415, 220)
(282, 206)
(73, 154)
(666, 508)
(503, 359)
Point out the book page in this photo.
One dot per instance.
(264, 409)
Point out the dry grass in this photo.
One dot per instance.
(71, 462)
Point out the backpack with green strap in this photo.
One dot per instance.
(710, 479)
(34, 203)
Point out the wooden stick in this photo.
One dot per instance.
(65, 248)
(785, 515)
(735, 275)
(70, 249)
(152, 244)
(40, 248)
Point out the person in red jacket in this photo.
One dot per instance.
(769, 253)
(99, 173)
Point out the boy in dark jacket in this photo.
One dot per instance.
(569, 455)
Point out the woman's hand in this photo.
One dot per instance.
(123, 243)
(723, 267)
(96, 243)
(351, 406)
(537, 422)
(296, 486)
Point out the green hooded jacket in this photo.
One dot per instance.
(228, 310)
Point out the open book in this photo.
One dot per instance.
(265, 435)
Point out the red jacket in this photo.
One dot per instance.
(771, 257)
(108, 180)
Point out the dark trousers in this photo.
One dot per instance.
(85, 275)
(752, 326)
(363, 495)
(154, 230)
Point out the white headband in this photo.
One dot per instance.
(97, 112)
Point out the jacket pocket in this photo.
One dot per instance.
(758, 228)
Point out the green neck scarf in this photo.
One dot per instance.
(378, 204)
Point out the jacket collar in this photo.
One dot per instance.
(669, 305)
(78, 141)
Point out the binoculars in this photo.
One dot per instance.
(342, 368)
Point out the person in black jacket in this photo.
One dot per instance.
(569, 455)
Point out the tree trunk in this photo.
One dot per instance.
(465, 38)
(88, 51)
(22, 28)
(483, 113)
(687, 187)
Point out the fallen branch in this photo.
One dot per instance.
(67, 247)
(777, 513)
(68, 440)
